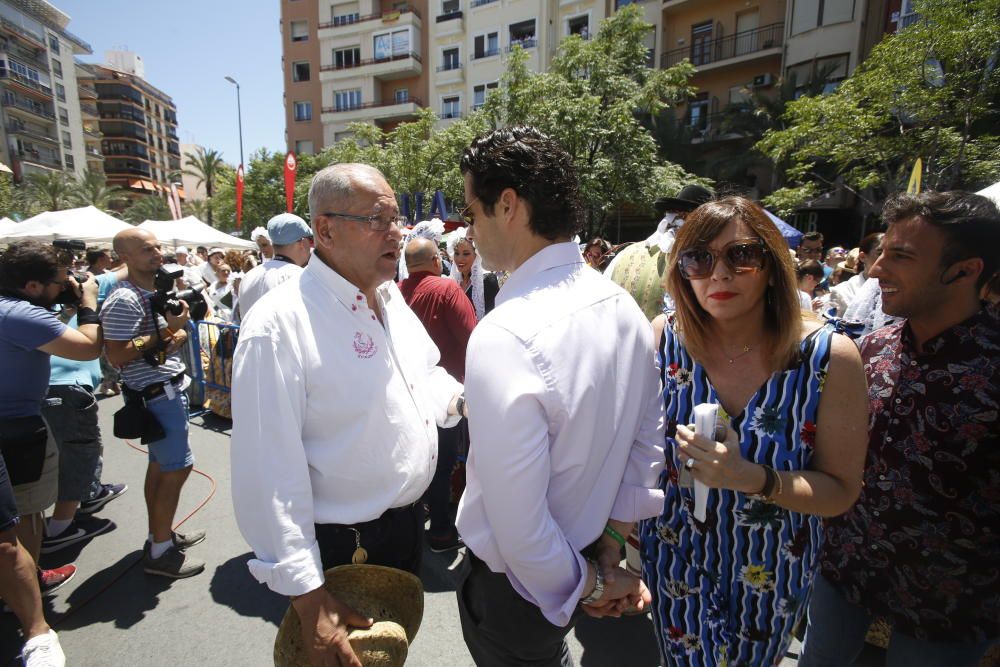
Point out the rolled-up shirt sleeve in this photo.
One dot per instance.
(506, 395)
(272, 491)
(639, 496)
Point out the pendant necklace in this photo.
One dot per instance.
(746, 350)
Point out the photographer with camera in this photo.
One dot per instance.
(144, 329)
(33, 277)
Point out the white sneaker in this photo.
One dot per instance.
(43, 651)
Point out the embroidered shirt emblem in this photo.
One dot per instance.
(364, 345)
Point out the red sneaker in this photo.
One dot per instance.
(49, 581)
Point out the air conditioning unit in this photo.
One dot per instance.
(762, 81)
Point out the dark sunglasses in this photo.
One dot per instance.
(466, 215)
(740, 256)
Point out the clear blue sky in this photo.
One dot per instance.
(188, 47)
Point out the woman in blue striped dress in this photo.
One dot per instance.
(790, 449)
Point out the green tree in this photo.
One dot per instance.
(929, 91)
(92, 189)
(47, 192)
(147, 207)
(206, 166)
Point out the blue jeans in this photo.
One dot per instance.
(836, 633)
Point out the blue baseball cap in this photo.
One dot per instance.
(287, 228)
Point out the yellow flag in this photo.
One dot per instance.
(913, 187)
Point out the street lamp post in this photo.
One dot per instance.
(239, 113)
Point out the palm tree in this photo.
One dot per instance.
(205, 166)
(199, 208)
(92, 189)
(148, 207)
(48, 191)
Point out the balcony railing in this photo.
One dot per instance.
(724, 48)
(47, 159)
(452, 114)
(111, 169)
(480, 3)
(133, 118)
(371, 61)
(34, 37)
(89, 110)
(906, 21)
(528, 43)
(372, 105)
(448, 67)
(485, 54)
(21, 128)
(386, 15)
(25, 81)
(88, 92)
(30, 55)
(450, 16)
(29, 106)
(94, 153)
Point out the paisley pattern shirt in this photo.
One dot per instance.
(921, 547)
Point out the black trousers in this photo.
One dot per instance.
(395, 539)
(439, 493)
(501, 628)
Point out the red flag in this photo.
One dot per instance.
(290, 166)
(239, 196)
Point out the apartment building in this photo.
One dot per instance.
(40, 122)
(86, 80)
(138, 124)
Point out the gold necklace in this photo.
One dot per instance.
(746, 350)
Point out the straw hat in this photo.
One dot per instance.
(394, 598)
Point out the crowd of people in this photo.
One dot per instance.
(550, 388)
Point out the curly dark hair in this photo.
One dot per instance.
(536, 168)
(970, 222)
(24, 261)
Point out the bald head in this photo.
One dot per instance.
(420, 254)
(127, 239)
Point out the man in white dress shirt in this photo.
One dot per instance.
(565, 414)
(336, 400)
(290, 241)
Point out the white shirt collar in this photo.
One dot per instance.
(549, 257)
(346, 292)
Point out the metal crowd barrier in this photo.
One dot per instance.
(216, 342)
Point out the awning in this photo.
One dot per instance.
(140, 184)
(4, 168)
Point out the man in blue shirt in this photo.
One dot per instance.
(33, 277)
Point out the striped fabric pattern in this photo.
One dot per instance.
(125, 316)
(730, 590)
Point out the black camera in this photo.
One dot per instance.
(166, 299)
(69, 296)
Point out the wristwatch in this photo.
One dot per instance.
(139, 343)
(598, 592)
(460, 405)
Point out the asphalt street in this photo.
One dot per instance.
(112, 613)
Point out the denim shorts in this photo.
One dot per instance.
(8, 506)
(173, 451)
(74, 426)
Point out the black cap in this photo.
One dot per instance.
(688, 199)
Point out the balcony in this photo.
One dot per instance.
(90, 110)
(347, 24)
(87, 92)
(25, 35)
(94, 154)
(906, 21)
(113, 169)
(18, 104)
(45, 159)
(31, 131)
(528, 43)
(452, 23)
(489, 53)
(27, 85)
(28, 55)
(450, 73)
(373, 111)
(738, 47)
(398, 66)
(481, 3)
(673, 4)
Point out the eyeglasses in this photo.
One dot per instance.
(466, 215)
(740, 256)
(376, 223)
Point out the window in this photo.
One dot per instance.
(698, 112)
(739, 95)
(70, 163)
(60, 92)
(345, 58)
(486, 45)
(303, 147)
(810, 14)
(299, 30)
(340, 136)
(451, 107)
(392, 44)
(827, 72)
(57, 68)
(450, 6)
(67, 139)
(449, 58)
(303, 111)
(300, 71)
(63, 116)
(522, 34)
(701, 43)
(579, 25)
(347, 99)
(26, 72)
(345, 14)
(479, 93)
(837, 11)
(54, 44)
(402, 95)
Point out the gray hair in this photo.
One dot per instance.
(336, 185)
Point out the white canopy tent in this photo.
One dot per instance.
(992, 192)
(88, 224)
(7, 225)
(191, 231)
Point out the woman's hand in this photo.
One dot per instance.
(718, 465)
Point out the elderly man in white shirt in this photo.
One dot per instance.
(336, 401)
(565, 415)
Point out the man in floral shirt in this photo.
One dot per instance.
(921, 548)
